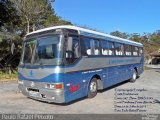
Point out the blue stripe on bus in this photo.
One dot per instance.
(59, 76)
(50, 78)
(73, 64)
(39, 66)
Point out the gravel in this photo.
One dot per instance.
(14, 102)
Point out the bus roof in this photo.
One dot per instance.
(91, 33)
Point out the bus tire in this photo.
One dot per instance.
(92, 88)
(134, 76)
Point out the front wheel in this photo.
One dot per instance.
(134, 76)
(93, 88)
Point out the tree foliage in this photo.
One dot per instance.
(32, 12)
(37, 14)
(9, 19)
(53, 20)
(120, 34)
(18, 17)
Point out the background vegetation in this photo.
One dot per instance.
(19, 17)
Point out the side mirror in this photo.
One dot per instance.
(69, 44)
(12, 48)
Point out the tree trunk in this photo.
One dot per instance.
(34, 27)
(28, 25)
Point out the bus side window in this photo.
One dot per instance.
(72, 49)
(104, 45)
(90, 46)
(111, 48)
(96, 47)
(140, 51)
(128, 50)
(119, 49)
(135, 50)
(86, 46)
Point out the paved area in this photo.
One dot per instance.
(11, 101)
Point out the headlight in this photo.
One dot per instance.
(54, 86)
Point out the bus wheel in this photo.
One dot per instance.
(134, 76)
(92, 89)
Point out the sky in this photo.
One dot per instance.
(131, 16)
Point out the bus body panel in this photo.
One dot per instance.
(35, 80)
(76, 78)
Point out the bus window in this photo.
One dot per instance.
(96, 50)
(119, 49)
(128, 50)
(110, 48)
(29, 49)
(72, 49)
(135, 50)
(104, 45)
(90, 46)
(140, 51)
(48, 51)
(86, 45)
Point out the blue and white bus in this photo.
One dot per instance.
(64, 63)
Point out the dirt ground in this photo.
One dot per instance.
(11, 101)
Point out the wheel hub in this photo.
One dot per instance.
(93, 87)
(134, 76)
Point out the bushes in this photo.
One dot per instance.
(5, 76)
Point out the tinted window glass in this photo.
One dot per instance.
(48, 51)
(86, 46)
(140, 51)
(29, 49)
(90, 46)
(135, 50)
(119, 49)
(96, 47)
(128, 50)
(110, 48)
(104, 45)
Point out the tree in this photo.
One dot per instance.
(9, 24)
(9, 18)
(135, 37)
(155, 38)
(53, 20)
(33, 12)
(4, 11)
(120, 34)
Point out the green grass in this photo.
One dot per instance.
(8, 77)
(146, 68)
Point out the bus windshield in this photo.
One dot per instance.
(44, 50)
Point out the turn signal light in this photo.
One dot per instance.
(58, 86)
(55, 86)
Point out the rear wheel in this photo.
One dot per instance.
(134, 76)
(92, 88)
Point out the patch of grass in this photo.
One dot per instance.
(8, 77)
(146, 68)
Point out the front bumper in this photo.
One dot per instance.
(38, 91)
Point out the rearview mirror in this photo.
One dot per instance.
(12, 48)
(69, 44)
